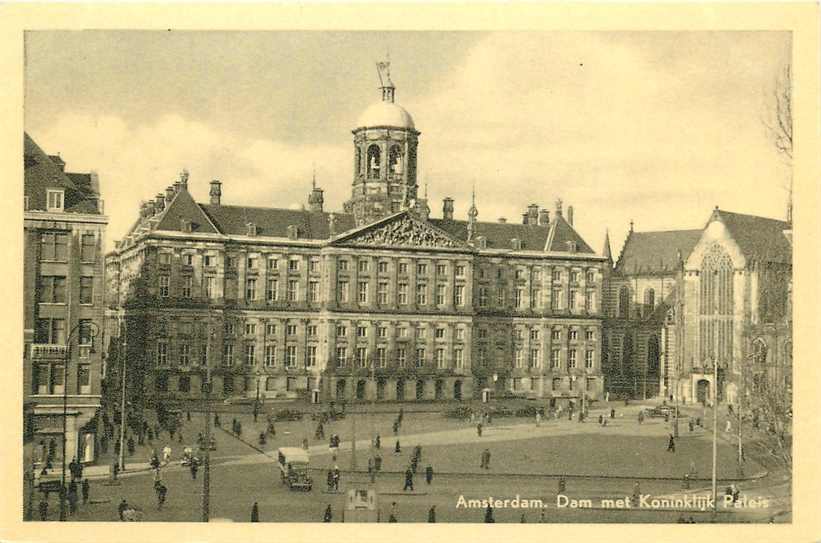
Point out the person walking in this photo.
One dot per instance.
(378, 442)
(601, 420)
(479, 429)
(255, 512)
(43, 507)
(122, 508)
(408, 480)
(641, 417)
(86, 488)
(690, 424)
(393, 515)
(397, 449)
(162, 491)
(429, 474)
(330, 480)
(72, 498)
(671, 445)
(337, 477)
(489, 515)
(432, 514)
(194, 467)
(328, 516)
(487, 458)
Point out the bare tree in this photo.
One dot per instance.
(778, 122)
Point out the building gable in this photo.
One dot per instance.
(402, 230)
(183, 208)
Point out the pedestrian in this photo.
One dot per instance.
(188, 415)
(72, 498)
(487, 458)
(43, 508)
(378, 442)
(330, 480)
(179, 437)
(636, 494)
(671, 445)
(397, 449)
(728, 426)
(328, 516)
(401, 415)
(523, 520)
(166, 454)
(194, 467)
(239, 429)
(234, 425)
(216, 420)
(305, 443)
(479, 429)
(641, 417)
(122, 508)
(408, 480)
(371, 468)
(72, 468)
(612, 412)
(429, 474)
(130, 444)
(115, 470)
(489, 514)
(337, 477)
(256, 411)
(432, 514)
(601, 420)
(162, 491)
(690, 424)
(736, 493)
(86, 488)
(392, 517)
(396, 428)
(414, 465)
(255, 512)
(538, 419)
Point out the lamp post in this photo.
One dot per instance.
(92, 332)
(124, 335)
(206, 461)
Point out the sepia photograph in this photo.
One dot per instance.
(377, 276)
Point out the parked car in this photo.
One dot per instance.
(660, 411)
(293, 468)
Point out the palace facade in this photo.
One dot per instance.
(380, 301)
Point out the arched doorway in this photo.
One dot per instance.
(400, 390)
(340, 389)
(702, 391)
(457, 390)
(360, 390)
(420, 389)
(439, 391)
(380, 389)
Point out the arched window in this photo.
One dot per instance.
(760, 353)
(649, 301)
(624, 302)
(395, 160)
(716, 305)
(374, 161)
(653, 355)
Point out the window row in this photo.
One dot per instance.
(535, 274)
(534, 358)
(422, 294)
(535, 334)
(51, 289)
(49, 378)
(402, 357)
(574, 300)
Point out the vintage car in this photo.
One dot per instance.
(660, 411)
(293, 468)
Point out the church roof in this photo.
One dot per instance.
(43, 172)
(759, 238)
(654, 252)
(386, 114)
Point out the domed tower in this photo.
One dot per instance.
(385, 143)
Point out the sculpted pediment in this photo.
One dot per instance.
(403, 231)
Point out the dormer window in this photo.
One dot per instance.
(55, 200)
(252, 229)
(293, 231)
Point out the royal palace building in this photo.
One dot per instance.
(684, 306)
(64, 231)
(379, 301)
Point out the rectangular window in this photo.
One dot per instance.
(382, 293)
(440, 359)
(208, 261)
(362, 292)
(313, 266)
(290, 330)
(481, 354)
(555, 334)
(402, 294)
(420, 358)
(460, 270)
(187, 283)
(361, 331)
(460, 334)
(250, 328)
(310, 330)
(382, 331)
(251, 289)
(574, 334)
(362, 266)
(458, 295)
(401, 359)
(203, 355)
(270, 329)
(293, 289)
(52, 289)
(210, 292)
(557, 276)
(55, 200)
(589, 297)
(574, 277)
(341, 356)
(313, 291)
(534, 335)
(381, 357)
(421, 333)
(537, 274)
(459, 358)
(58, 379)
(185, 355)
(403, 267)
(228, 355)
(341, 331)
(84, 378)
(588, 359)
(382, 267)
(557, 383)
(519, 298)
(520, 274)
(361, 357)
(440, 294)
(184, 384)
(591, 277)
(188, 259)
(53, 246)
(482, 333)
(270, 356)
(571, 300)
(343, 265)
(518, 358)
(571, 358)
(517, 334)
(290, 356)
(556, 299)
(588, 335)
(403, 332)
(441, 269)
(165, 281)
(272, 290)
(555, 358)
(535, 358)
(293, 265)
(88, 248)
(536, 299)
(421, 294)
(439, 333)
(231, 262)
(343, 292)
(84, 332)
(483, 297)
(421, 269)
(310, 362)
(229, 328)
(273, 263)
(162, 354)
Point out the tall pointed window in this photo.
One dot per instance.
(395, 160)
(374, 161)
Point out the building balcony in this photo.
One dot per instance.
(47, 351)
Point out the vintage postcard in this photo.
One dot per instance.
(487, 274)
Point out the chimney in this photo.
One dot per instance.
(502, 220)
(570, 215)
(216, 192)
(447, 209)
(169, 195)
(183, 182)
(525, 218)
(533, 214)
(159, 202)
(252, 229)
(558, 208)
(332, 224)
(544, 217)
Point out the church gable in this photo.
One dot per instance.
(402, 230)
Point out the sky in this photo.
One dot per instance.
(653, 127)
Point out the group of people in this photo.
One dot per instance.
(78, 487)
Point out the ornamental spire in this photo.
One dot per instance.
(388, 89)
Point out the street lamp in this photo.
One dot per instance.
(92, 329)
(206, 463)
